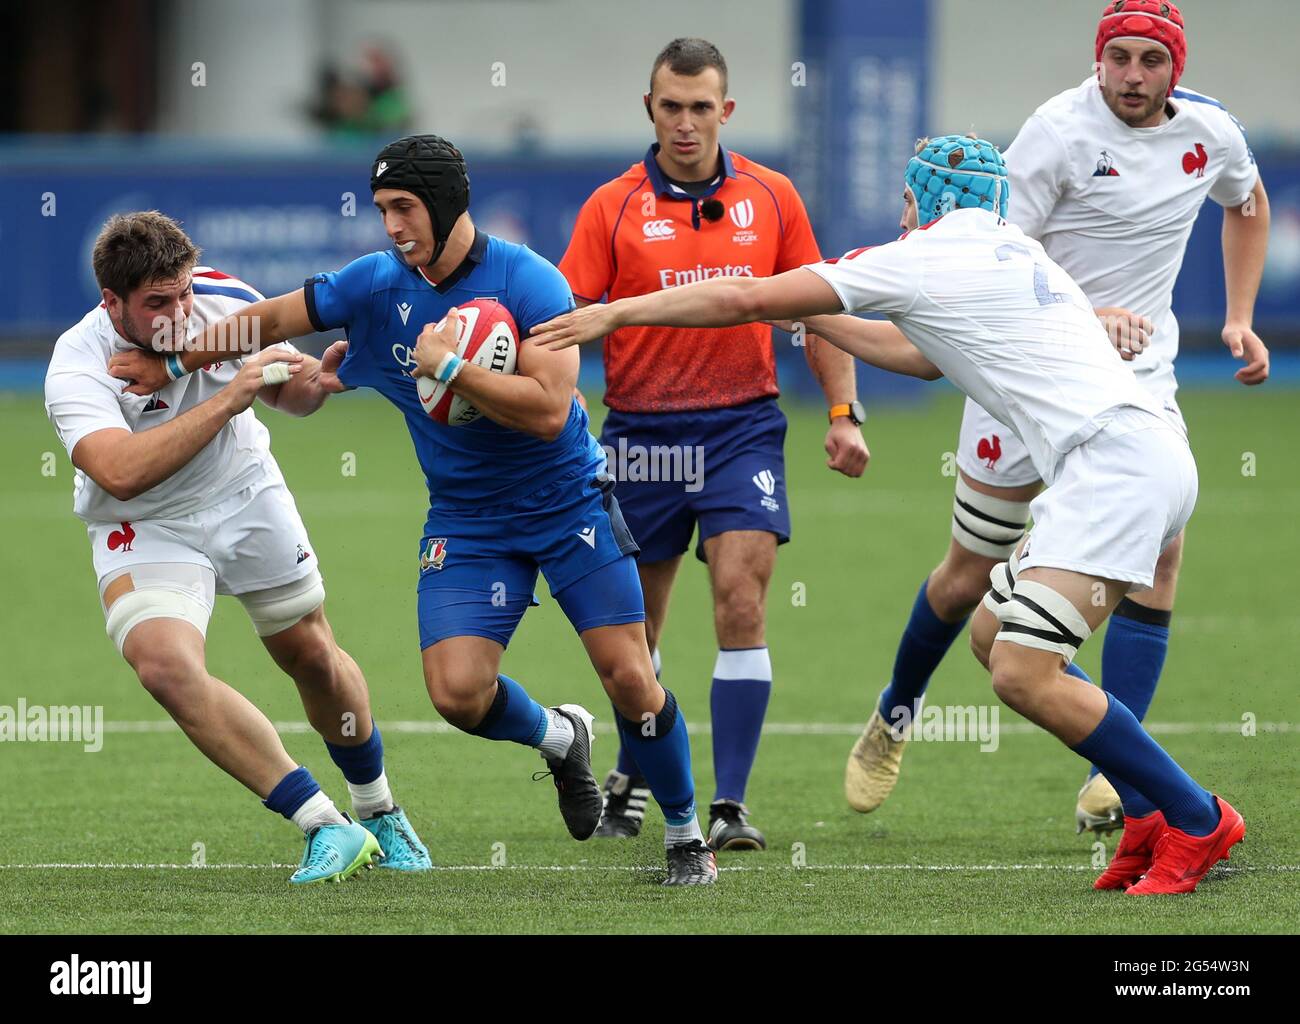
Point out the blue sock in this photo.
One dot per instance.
(742, 684)
(665, 759)
(1135, 804)
(291, 792)
(626, 762)
(513, 716)
(362, 763)
(1132, 655)
(1128, 755)
(924, 642)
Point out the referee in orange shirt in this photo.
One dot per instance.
(692, 210)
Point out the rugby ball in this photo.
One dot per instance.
(487, 337)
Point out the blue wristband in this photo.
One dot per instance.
(175, 369)
(449, 369)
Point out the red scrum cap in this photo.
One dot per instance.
(1156, 20)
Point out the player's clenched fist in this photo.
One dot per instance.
(1128, 332)
(435, 343)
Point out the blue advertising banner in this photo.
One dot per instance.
(864, 104)
(274, 222)
(271, 222)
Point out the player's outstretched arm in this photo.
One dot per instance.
(877, 342)
(535, 399)
(722, 302)
(1245, 245)
(127, 464)
(256, 326)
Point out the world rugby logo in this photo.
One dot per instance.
(742, 213)
(765, 481)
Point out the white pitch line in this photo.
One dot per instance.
(981, 868)
(163, 725)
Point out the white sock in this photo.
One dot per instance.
(371, 798)
(559, 735)
(684, 833)
(319, 810)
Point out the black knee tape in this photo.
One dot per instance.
(1141, 613)
(664, 721)
(494, 713)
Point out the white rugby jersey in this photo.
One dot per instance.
(985, 304)
(81, 398)
(1114, 205)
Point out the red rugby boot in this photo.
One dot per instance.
(1133, 855)
(1181, 861)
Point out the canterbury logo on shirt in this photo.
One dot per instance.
(658, 230)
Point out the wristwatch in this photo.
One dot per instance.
(853, 410)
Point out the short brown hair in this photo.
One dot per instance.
(135, 248)
(689, 56)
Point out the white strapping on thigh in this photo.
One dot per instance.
(160, 590)
(985, 525)
(275, 610)
(1002, 580)
(1037, 616)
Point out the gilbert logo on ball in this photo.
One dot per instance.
(487, 337)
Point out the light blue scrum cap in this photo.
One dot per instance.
(957, 172)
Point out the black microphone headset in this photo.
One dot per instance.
(712, 209)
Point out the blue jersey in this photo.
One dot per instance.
(383, 305)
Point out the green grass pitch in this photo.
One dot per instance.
(971, 841)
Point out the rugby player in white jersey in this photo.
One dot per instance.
(973, 297)
(1109, 176)
(183, 500)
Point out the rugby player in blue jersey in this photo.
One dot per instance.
(522, 488)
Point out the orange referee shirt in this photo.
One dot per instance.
(639, 233)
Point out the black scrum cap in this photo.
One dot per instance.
(431, 168)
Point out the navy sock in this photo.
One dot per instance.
(742, 684)
(1129, 756)
(513, 716)
(291, 792)
(924, 642)
(362, 763)
(665, 759)
(626, 762)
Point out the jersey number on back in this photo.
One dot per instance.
(1042, 291)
